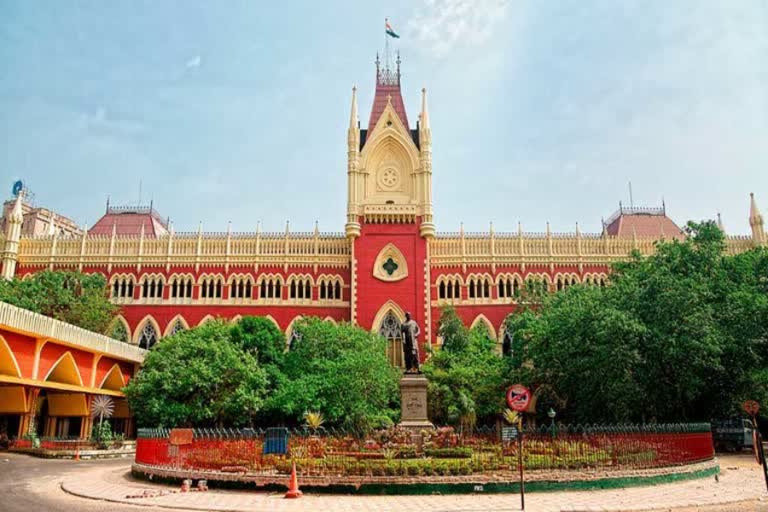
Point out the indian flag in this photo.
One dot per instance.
(388, 29)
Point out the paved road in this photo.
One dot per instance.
(30, 484)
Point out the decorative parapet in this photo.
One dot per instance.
(176, 249)
(41, 326)
(468, 249)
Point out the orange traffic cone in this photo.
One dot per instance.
(293, 485)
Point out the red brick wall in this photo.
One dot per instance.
(373, 293)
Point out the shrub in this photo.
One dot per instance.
(449, 453)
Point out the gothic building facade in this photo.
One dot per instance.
(390, 259)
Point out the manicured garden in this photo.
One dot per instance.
(396, 452)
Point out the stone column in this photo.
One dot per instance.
(413, 402)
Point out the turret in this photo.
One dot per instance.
(756, 222)
(12, 237)
(352, 227)
(427, 229)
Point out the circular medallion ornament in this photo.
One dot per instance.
(389, 178)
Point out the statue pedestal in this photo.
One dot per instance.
(413, 402)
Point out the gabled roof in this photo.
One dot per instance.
(387, 89)
(127, 220)
(643, 223)
(383, 93)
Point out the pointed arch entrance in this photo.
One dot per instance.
(387, 323)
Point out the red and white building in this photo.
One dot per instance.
(389, 259)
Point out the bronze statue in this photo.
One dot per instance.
(410, 331)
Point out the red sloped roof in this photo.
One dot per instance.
(128, 221)
(383, 92)
(644, 225)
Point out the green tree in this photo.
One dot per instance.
(466, 375)
(679, 335)
(198, 378)
(72, 297)
(261, 337)
(340, 371)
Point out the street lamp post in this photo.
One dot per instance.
(551, 413)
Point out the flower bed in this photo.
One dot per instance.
(439, 453)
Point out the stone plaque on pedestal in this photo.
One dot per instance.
(413, 402)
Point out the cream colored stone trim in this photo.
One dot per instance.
(39, 326)
(140, 328)
(390, 251)
(388, 306)
(172, 323)
(481, 318)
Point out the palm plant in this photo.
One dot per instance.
(313, 420)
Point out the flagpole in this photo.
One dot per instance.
(386, 46)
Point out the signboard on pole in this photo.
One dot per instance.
(518, 397)
(751, 407)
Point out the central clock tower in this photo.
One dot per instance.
(389, 210)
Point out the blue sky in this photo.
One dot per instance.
(237, 110)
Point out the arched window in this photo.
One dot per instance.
(390, 329)
(479, 287)
(181, 287)
(122, 288)
(448, 288)
(506, 343)
(152, 287)
(300, 288)
(148, 336)
(329, 288)
(508, 287)
(119, 331)
(211, 286)
(240, 288)
(178, 326)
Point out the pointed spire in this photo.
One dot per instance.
(720, 225)
(287, 227)
(491, 229)
(424, 113)
(107, 211)
(754, 213)
(229, 228)
(756, 221)
(200, 229)
(461, 229)
(17, 213)
(258, 227)
(171, 229)
(519, 228)
(317, 228)
(353, 113)
(578, 231)
(549, 233)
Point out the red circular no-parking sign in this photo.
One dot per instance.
(518, 397)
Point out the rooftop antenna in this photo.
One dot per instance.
(631, 201)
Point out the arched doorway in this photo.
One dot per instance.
(390, 329)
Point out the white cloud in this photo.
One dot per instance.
(194, 62)
(440, 25)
